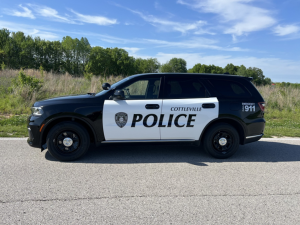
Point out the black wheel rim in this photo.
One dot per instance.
(220, 135)
(64, 139)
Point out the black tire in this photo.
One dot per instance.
(79, 138)
(212, 144)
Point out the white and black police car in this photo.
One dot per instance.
(216, 112)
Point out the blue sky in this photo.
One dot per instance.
(263, 34)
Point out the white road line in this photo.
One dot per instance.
(280, 139)
(266, 139)
(12, 139)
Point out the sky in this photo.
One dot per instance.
(254, 33)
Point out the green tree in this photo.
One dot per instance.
(121, 63)
(242, 71)
(205, 69)
(68, 46)
(3, 66)
(85, 49)
(196, 68)
(217, 70)
(231, 69)
(166, 68)
(150, 65)
(98, 61)
(175, 65)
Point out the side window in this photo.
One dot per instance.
(230, 88)
(142, 89)
(177, 88)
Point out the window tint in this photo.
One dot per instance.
(230, 88)
(142, 89)
(177, 88)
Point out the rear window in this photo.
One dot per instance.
(230, 88)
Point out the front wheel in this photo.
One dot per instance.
(68, 141)
(221, 141)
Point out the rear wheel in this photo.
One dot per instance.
(68, 141)
(221, 141)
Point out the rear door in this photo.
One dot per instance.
(135, 117)
(187, 108)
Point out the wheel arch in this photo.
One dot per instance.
(51, 123)
(233, 122)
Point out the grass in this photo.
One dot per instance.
(282, 123)
(14, 126)
(282, 111)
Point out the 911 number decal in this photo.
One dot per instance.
(248, 107)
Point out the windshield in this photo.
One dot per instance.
(114, 85)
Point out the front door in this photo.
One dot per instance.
(135, 117)
(187, 108)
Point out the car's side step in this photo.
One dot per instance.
(154, 140)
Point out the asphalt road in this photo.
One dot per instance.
(151, 184)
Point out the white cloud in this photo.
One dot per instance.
(193, 43)
(50, 13)
(202, 43)
(277, 69)
(168, 25)
(29, 30)
(242, 17)
(131, 50)
(25, 13)
(44, 34)
(99, 20)
(286, 30)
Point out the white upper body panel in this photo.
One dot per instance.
(174, 119)
(193, 117)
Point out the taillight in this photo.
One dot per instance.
(262, 106)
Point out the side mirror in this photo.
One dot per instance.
(106, 86)
(119, 95)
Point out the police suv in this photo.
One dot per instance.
(217, 112)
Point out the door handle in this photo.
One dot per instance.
(152, 106)
(208, 105)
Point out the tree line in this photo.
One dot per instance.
(77, 57)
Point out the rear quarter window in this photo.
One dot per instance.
(229, 88)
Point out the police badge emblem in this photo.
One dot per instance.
(121, 119)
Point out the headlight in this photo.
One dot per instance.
(37, 111)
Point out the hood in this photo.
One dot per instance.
(85, 98)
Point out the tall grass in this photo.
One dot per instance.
(17, 100)
(280, 98)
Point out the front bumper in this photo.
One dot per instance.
(34, 135)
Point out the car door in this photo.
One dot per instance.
(187, 108)
(135, 117)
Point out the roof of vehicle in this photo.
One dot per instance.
(199, 74)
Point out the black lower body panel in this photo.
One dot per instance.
(253, 138)
(34, 136)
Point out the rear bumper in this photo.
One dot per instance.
(253, 138)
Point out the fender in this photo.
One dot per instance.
(47, 123)
(242, 140)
